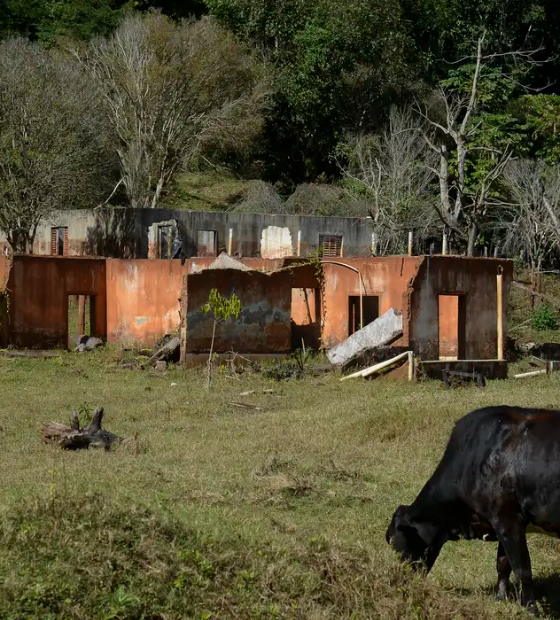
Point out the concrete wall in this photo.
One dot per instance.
(38, 291)
(125, 233)
(474, 280)
(386, 277)
(143, 295)
(142, 299)
(263, 326)
(139, 300)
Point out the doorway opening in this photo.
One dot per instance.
(306, 318)
(451, 327)
(80, 318)
(370, 305)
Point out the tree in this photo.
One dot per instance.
(534, 195)
(166, 93)
(338, 67)
(391, 173)
(222, 309)
(52, 149)
(49, 20)
(472, 158)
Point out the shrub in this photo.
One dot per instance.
(545, 318)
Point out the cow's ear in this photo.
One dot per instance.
(408, 540)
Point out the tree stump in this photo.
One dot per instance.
(75, 438)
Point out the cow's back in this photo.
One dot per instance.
(498, 456)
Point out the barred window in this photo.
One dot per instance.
(330, 246)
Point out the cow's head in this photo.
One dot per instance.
(416, 542)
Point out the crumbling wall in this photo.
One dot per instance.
(142, 299)
(386, 277)
(125, 233)
(38, 298)
(263, 325)
(474, 279)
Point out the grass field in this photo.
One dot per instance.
(223, 512)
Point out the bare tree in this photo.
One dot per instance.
(51, 142)
(391, 174)
(169, 87)
(452, 117)
(530, 231)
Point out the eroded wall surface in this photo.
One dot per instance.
(38, 298)
(142, 299)
(385, 277)
(143, 295)
(131, 233)
(264, 323)
(474, 280)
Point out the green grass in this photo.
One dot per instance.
(224, 512)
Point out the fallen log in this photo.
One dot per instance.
(75, 438)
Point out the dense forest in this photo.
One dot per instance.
(429, 116)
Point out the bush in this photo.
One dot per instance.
(545, 318)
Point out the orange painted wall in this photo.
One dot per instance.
(143, 295)
(39, 289)
(142, 298)
(386, 277)
(474, 280)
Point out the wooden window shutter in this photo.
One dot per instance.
(66, 243)
(330, 245)
(54, 241)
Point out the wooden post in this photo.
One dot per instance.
(299, 242)
(410, 243)
(361, 302)
(81, 315)
(230, 241)
(444, 244)
(499, 310)
(410, 365)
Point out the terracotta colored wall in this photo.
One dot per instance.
(264, 323)
(39, 289)
(142, 298)
(475, 280)
(306, 317)
(386, 277)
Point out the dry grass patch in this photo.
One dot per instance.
(289, 504)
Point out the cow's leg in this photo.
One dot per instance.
(514, 542)
(504, 571)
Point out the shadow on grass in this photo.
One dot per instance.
(547, 592)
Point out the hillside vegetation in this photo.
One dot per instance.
(427, 116)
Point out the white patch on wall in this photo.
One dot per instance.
(276, 242)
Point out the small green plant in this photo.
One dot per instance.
(545, 318)
(223, 308)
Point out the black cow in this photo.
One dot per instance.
(499, 478)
